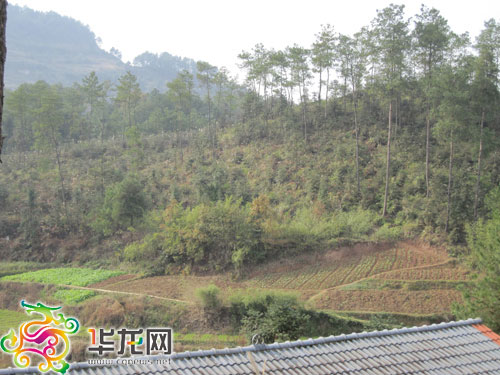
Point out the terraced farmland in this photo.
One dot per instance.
(435, 301)
(440, 272)
(406, 278)
(348, 268)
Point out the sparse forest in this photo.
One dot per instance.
(388, 134)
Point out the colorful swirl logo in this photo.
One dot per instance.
(48, 339)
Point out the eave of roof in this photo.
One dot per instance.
(202, 354)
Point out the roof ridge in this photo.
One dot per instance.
(323, 340)
(263, 347)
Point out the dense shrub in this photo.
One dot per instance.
(282, 320)
(221, 235)
(276, 316)
(309, 230)
(209, 297)
(124, 203)
(211, 236)
(481, 298)
(387, 233)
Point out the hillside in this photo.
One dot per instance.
(57, 49)
(365, 206)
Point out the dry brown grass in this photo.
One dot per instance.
(396, 301)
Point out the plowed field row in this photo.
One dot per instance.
(397, 301)
(441, 272)
(346, 270)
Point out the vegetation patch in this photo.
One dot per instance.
(10, 319)
(379, 284)
(64, 276)
(12, 268)
(73, 296)
(190, 341)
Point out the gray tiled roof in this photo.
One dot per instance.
(464, 347)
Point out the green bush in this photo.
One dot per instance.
(146, 254)
(387, 233)
(123, 205)
(280, 316)
(481, 298)
(272, 316)
(309, 230)
(209, 297)
(282, 320)
(211, 236)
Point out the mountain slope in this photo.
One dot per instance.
(57, 49)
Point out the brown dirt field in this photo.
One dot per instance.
(414, 253)
(343, 266)
(333, 256)
(396, 301)
(177, 287)
(441, 272)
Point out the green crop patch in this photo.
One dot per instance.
(73, 296)
(10, 319)
(64, 276)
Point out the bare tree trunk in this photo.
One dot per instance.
(326, 93)
(478, 180)
(427, 151)
(210, 129)
(102, 159)
(304, 119)
(358, 189)
(450, 182)
(61, 178)
(388, 165)
(345, 94)
(356, 131)
(3, 54)
(304, 108)
(320, 84)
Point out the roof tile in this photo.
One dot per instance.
(464, 347)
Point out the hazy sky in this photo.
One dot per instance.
(217, 30)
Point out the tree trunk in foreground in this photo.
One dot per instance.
(450, 182)
(476, 195)
(427, 150)
(388, 165)
(3, 54)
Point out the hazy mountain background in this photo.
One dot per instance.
(58, 49)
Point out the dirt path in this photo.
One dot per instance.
(311, 298)
(100, 290)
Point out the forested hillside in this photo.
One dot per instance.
(57, 49)
(389, 133)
